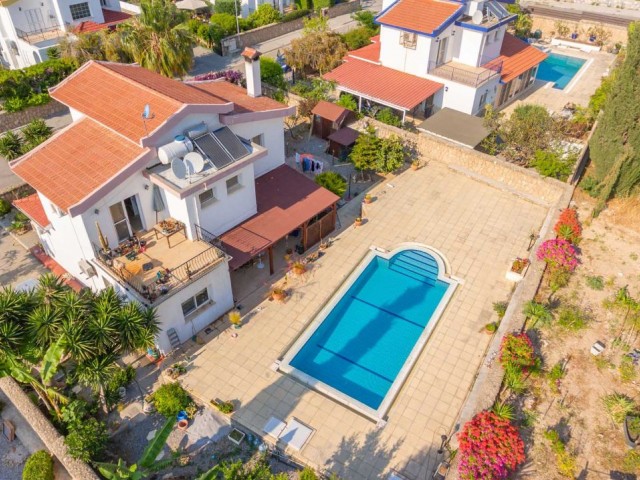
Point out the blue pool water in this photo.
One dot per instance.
(559, 69)
(362, 344)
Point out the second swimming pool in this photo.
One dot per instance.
(379, 320)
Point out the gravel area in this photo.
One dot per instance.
(12, 458)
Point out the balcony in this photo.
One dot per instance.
(466, 74)
(35, 36)
(158, 263)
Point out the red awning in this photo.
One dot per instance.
(286, 199)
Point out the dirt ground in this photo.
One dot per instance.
(610, 248)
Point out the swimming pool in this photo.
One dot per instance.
(559, 69)
(362, 344)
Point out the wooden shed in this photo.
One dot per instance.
(328, 118)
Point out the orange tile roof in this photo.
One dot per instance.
(230, 92)
(517, 57)
(382, 83)
(111, 18)
(422, 16)
(330, 111)
(370, 52)
(76, 161)
(32, 207)
(115, 95)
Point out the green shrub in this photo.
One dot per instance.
(295, 14)
(36, 79)
(591, 186)
(391, 155)
(551, 164)
(558, 278)
(307, 474)
(491, 327)
(357, 38)
(572, 318)
(332, 181)
(304, 4)
(271, 73)
(387, 116)
(122, 378)
(627, 370)
(15, 104)
(500, 308)
(503, 410)
(86, 440)
(565, 461)
(5, 207)
(265, 14)
(227, 6)
(631, 461)
(595, 282)
(318, 4)
(38, 99)
(348, 101)
(39, 466)
(366, 18)
(11, 145)
(618, 406)
(170, 398)
(226, 22)
(21, 217)
(36, 131)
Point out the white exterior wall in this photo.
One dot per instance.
(470, 46)
(465, 98)
(272, 131)
(492, 45)
(394, 55)
(94, 6)
(229, 209)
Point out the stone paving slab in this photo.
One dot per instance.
(479, 229)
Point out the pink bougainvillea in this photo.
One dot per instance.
(517, 350)
(490, 448)
(558, 254)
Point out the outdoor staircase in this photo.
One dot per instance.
(173, 338)
(415, 264)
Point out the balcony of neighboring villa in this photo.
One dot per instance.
(37, 35)
(159, 262)
(466, 74)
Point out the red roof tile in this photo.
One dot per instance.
(370, 53)
(422, 16)
(385, 84)
(31, 206)
(115, 95)
(230, 92)
(76, 161)
(286, 199)
(111, 18)
(330, 111)
(517, 57)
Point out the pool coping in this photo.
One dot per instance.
(576, 76)
(378, 415)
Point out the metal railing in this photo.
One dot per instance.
(40, 34)
(209, 237)
(167, 281)
(462, 75)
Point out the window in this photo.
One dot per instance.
(497, 35)
(80, 10)
(233, 184)
(258, 140)
(191, 305)
(483, 100)
(208, 197)
(408, 40)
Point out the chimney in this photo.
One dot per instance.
(252, 71)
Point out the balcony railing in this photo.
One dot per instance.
(40, 34)
(466, 76)
(209, 237)
(167, 280)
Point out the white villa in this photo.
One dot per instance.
(29, 27)
(435, 54)
(162, 189)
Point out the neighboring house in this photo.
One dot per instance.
(139, 190)
(29, 27)
(247, 7)
(433, 54)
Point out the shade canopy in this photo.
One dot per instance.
(191, 5)
(158, 202)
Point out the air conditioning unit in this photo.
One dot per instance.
(86, 268)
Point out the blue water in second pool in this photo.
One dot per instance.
(559, 69)
(361, 345)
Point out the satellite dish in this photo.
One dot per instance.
(195, 160)
(178, 168)
(146, 113)
(477, 17)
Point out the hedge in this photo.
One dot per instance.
(295, 14)
(39, 466)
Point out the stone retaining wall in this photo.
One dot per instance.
(45, 430)
(238, 42)
(10, 121)
(548, 25)
(520, 181)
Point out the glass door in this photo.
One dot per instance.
(133, 214)
(120, 221)
(126, 216)
(442, 51)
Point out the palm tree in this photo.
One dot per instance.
(158, 39)
(50, 288)
(537, 312)
(44, 325)
(96, 373)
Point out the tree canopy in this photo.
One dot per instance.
(319, 50)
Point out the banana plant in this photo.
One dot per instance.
(120, 471)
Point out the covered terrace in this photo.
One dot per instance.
(287, 202)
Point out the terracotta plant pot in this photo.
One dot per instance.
(367, 199)
(299, 269)
(183, 424)
(278, 296)
(415, 166)
(357, 223)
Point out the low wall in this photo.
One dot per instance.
(238, 42)
(45, 430)
(548, 27)
(130, 7)
(518, 180)
(10, 121)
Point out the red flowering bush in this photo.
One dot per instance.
(568, 226)
(490, 448)
(517, 351)
(559, 254)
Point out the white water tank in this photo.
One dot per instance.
(197, 130)
(176, 149)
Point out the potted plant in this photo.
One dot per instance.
(278, 294)
(518, 269)
(416, 164)
(224, 407)
(357, 222)
(632, 430)
(367, 198)
(491, 328)
(235, 318)
(298, 268)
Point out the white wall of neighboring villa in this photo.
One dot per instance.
(218, 285)
(272, 137)
(409, 60)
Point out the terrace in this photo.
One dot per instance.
(38, 35)
(466, 74)
(159, 262)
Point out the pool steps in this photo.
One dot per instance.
(416, 265)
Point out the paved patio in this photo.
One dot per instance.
(478, 228)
